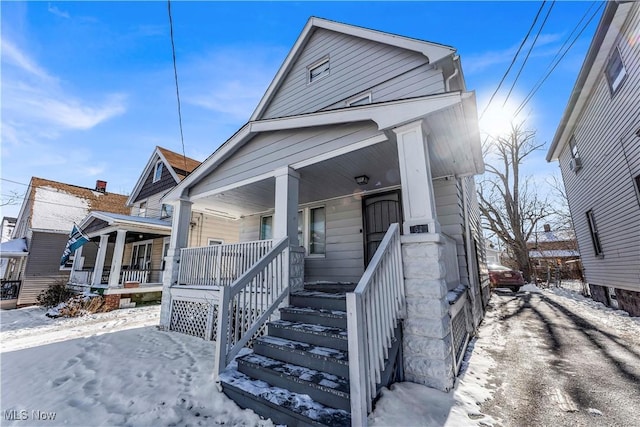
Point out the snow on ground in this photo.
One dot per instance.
(118, 368)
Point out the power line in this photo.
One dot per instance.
(175, 75)
(541, 81)
(515, 57)
(529, 52)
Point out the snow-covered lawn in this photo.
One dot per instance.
(117, 368)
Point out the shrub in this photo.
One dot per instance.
(54, 295)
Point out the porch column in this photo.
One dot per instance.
(116, 261)
(101, 255)
(179, 239)
(418, 200)
(285, 218)
(77, 260)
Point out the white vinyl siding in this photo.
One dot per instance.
(207, 227)
(357, 65)
(610, 153)
(344, 258)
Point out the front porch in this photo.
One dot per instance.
(124, 256)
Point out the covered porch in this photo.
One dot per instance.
(124, 254)
(339, 197)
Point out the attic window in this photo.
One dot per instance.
(359, 100)
(615, 71)
(157, 172)
(318, 70)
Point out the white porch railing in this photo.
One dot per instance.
(140, 276)
(246, 305)
(373, 311)
(219, 265)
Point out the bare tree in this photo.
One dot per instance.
(560, 215)
(509, 202)
(13, 198)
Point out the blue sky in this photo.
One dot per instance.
(88, 87)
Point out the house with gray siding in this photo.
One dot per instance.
(124, 257)
(360, 260)
(597, 145)
(47, 214)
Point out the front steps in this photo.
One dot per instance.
(298, 374)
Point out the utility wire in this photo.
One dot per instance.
(529, 52)
(541, 81)
(175, 75)
(513, 60)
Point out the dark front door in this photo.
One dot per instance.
(380, 211)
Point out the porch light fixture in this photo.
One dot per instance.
(362, 179)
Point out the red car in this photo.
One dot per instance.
(504, 277)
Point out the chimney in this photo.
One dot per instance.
(547, 228)
(101, 186)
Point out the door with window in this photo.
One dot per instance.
(380, 211)
(141, 255)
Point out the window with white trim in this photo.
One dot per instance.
(574, 147)
(166, 211)
(615, 71)
(142, 209)
(157, 172)
(312, 230)
(318, 70)
(213, 242)
(595, 236)
(266, 227)
(141, 255)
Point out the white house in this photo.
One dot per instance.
(598, 147)
(353, 176)
(48, 212)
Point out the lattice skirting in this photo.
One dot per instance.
(460, 333)
(197, 318)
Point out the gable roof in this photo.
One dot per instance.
(433, 51)
(179, 167)
(603, 40)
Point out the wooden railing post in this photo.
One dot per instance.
(220, 362)
(357, 360)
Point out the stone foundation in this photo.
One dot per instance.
(427, 349)
(599, 293)
(629, 301)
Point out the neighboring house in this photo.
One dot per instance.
(360, 131)
(7, 227)
(48, 212)
(554, 254)
(598, 147)
(492, 254)
(128, 249)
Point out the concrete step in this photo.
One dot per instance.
(324, 359)
(316, 299)
(322, 336)
(327, 389)
(282, 406)
(318, 316)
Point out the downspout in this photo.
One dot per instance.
(454, 74)
(467, 232)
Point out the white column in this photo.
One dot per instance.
(418, 200)
(76, 266)
(102, 253)
(285, 218)
(179, 239)
(116, 260)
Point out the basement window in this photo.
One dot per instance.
(318, 70)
